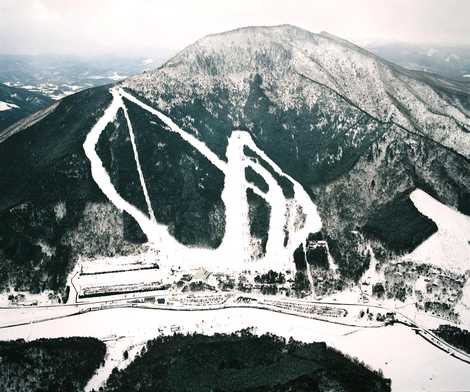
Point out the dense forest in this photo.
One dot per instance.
(455, 336)
(242, 362)
(49, 365)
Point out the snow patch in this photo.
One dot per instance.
(4, 106)
(60, 210)
(46, 248)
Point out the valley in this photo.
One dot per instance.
(125, 324)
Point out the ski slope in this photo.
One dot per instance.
(236, 250)
(449, 248)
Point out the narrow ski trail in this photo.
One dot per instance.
(137, 161)
(275, 198)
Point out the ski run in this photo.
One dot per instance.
(449, 247)
(298, 216)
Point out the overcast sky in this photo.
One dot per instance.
(140, 27)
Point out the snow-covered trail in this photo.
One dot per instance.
(312, 222)
(277, 220)
(235, 247)
(152, 230)
(197, 144)
(114, 358)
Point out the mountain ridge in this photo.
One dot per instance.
(329, 116)
(426, 100)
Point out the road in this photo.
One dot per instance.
(331, 312)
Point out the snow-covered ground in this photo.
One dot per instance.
(364, 79)
(128, 277)
(449, 248)
(146, 259)
(31, 314)
(27, 298)
(115, 349)
(7, 106)
(411, 362)
(371, 276)
(355, 295)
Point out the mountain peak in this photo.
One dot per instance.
(252, 38)
(295, 67)
(262, 29)
(246, 50)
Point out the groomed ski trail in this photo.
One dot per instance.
(151, 229)
(234, 251)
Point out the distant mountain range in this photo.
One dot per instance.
(57, 76)
(450, 61)
(319, 116)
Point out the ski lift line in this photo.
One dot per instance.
(137, 161)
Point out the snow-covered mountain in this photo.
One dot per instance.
(296, 67)
(264, 145)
